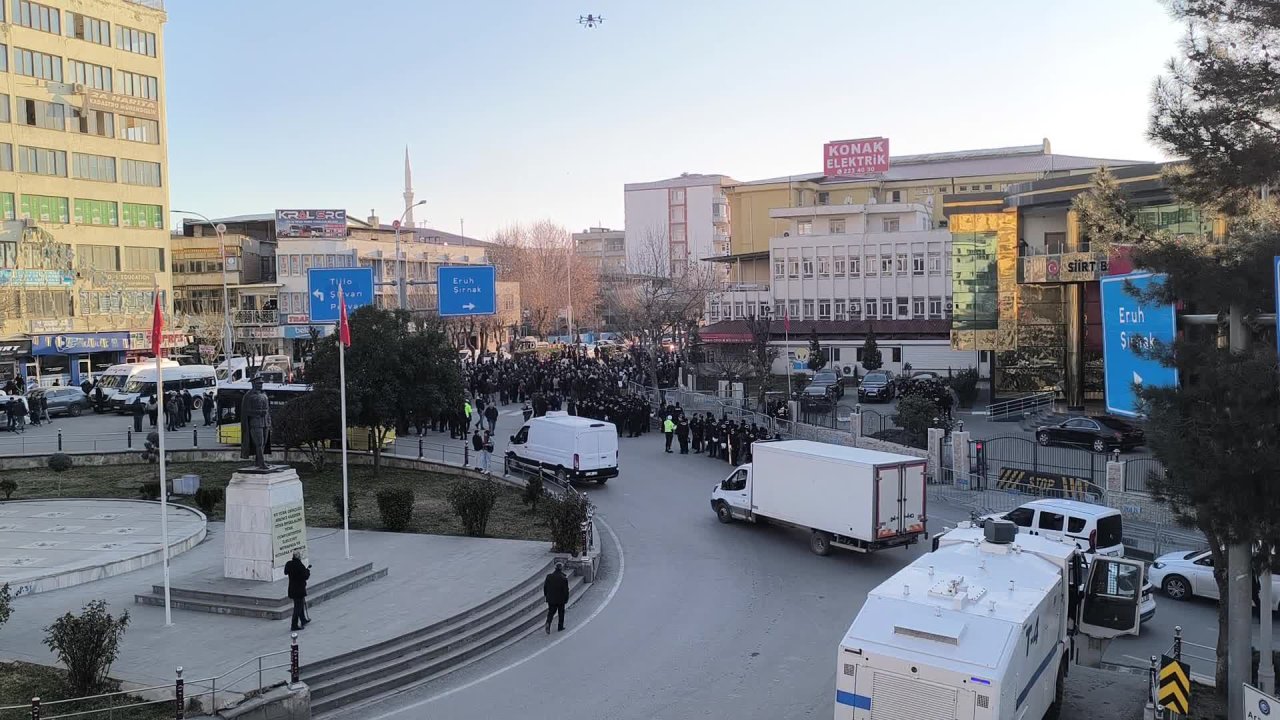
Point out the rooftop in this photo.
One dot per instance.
(420, 234)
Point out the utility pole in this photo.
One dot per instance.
(1239, 577)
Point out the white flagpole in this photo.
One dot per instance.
(164, 493)
(342, 404)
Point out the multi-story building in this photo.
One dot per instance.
(605, 248)
(248, 281)
(83, 184)
(673, 223)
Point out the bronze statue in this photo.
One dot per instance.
(255, 425)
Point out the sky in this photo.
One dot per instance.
(513, 112)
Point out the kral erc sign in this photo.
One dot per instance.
(855, 157)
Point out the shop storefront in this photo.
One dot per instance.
(70, 358)
(15, 353)
(298, 340)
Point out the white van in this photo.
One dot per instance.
(113, 379)
(196, 379)
(1090, 526)
(574, 448)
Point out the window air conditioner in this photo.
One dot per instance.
(78, 88)
(948, 307)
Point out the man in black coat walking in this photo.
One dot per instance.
(298, 575)
(556, 590)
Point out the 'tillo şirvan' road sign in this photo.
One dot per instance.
(323, 284)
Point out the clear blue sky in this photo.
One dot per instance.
(513, 112)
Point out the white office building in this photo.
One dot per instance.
(672, 223)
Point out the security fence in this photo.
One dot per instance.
(1139, 471)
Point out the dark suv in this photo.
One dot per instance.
(877, 386)
(818, 398)
(830, 379)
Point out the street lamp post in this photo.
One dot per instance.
(402, 288)
(221, 229)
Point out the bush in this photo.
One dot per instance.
(60, 462)
(208, 499)
(149, 490)
(916, 414)
(533, 491)
(87, 644)
(565, 515)
(395, 505)
(965, 383)
(6, 604)
(308, 423)
(473, 501)
(7, 486)
(337, 504)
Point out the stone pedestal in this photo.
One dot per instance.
(265, 523)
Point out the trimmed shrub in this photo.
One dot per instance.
(87, 644)
(6, 604)
(60, 462)
(533, 491)
(395, 505)
(8, 486)
(965, 383)
(473, 501)
(149, 490)
(208, 499)
(565, 514)
(337, 504)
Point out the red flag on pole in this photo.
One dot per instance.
(157, 327)
(344, 328)
(786, 320)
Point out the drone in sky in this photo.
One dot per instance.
(590, 21)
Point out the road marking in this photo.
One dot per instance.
(622, 567)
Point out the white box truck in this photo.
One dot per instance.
(845, 497)
(983, 628)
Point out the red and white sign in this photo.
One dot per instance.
(867, 156)
(298, 319)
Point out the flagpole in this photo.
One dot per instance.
(344, 336)
(156, 332)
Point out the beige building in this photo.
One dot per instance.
(606, 248)
(83, 184)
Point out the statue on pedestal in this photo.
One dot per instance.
(255, 425)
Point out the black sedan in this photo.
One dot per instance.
(1099, 433)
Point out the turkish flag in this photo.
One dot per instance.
(157, 327)
(786, 320)
(344, 327)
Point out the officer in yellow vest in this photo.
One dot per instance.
(669, 428)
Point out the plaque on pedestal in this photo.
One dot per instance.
(266, 523)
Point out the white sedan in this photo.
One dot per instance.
(1183, 575)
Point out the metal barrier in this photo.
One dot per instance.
(1138, 471)
(30, 444)
(178, 694)
(1021, 405)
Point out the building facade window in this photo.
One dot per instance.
(917, 308)
(917, 264)
(37, 16)
(804, 227)
(793, 307)
(135, 41)
(676, 213)
(855, 267)
(41, 114)
(675, 196)
(793, 268)
(146, 259)
(935, 307)
(873, 311)
(808, 310)
(779, 269)
(137, 85)
(142, 216)
(824, 198)
(886, 308)
(824, 309)
(37, 64)
(93, 167)
(904, 307)
(92, 122)
(824, 266)
(900, 264)
(6, 164)
(90, 75)
(891, 224)
(839, 266)
(44, 208)
(895, 196)
(807, 267)
(886, 265)
(837, 226)
(839, 309)
(935, 264)
(139, 172)
(4, 55)
(89, 29)
(97, 257)
(4, 108)
(42, 161)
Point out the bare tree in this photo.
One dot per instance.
(541, 258)
(208, 328)
(658, 297)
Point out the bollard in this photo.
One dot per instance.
(1177, 643)
(179, 702)
(129, 439)
(466, 453)
(35, 708)
(293, 659)
(59, 439)
(419, 448)
(1151, 687)
(195, 437)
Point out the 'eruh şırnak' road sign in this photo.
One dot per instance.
(1174, 685)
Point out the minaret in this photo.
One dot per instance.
(408, 190)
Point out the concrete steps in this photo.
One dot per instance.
(258, 606)
(433, 651)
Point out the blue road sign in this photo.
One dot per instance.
(322, 290)
(1129, 325)
(467, 290)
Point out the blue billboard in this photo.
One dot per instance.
(323, 284)
(467, 290)
(1131, 326)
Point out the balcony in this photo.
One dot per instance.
(255, 317)
(719, 212)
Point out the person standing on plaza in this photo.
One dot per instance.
(682, 434)
(298, 575)
(491, 416)
(152, 409)
(477, 444)
(467, 410)
(206, 407)
(555, 589)
(171, 416)
(486, 452)
(669, 429)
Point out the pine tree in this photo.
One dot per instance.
(1216, 432)
(816, 361)
(871, 353)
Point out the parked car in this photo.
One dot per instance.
(828, 378)
(1101, 433)
(1183, 575)
(818, 398)
(64, 400)
(877, 386)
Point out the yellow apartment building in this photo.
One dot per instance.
(84, 189)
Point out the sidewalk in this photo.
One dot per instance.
(430, 578)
